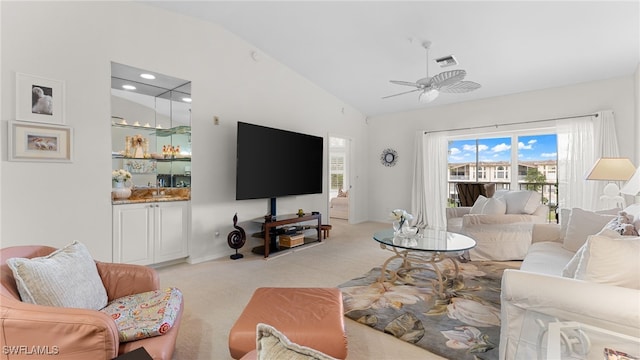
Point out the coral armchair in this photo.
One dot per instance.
(73, 333)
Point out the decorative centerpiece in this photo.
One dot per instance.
(120, 190)
(401, 220)
(138, 143)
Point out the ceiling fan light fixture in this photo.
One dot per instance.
(428, 95)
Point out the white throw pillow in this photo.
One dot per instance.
(68, 277)
(569, 270)
(612, 261)
(520, 201)
(583, 223)
(273, 345)
(494, 207)
(478, 205)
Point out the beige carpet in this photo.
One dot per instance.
(215, 292)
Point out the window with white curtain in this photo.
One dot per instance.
(523, 159)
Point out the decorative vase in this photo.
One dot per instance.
(121, 191)
(397, 227)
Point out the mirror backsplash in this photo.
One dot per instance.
(151, 127)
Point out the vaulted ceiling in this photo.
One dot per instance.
(352, 49)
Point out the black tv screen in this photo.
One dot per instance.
(271, 163)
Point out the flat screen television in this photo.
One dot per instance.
(273, 163)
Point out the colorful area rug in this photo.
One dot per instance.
(464, 325)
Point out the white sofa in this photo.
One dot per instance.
(605, 296)
(502, 225)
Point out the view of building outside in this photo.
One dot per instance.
(489, 160)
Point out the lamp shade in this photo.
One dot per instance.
(632, 187)
(612, 169)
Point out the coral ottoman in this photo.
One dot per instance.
(311, 317)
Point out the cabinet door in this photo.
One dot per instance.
(133, 234)
(172, 231)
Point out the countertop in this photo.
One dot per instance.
(145, 195)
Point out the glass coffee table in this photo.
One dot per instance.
(423, 252)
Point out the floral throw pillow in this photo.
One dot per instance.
(274, 345)
(145, 315)
(623, 224)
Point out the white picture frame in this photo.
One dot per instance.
(39, 142)
(39, 99)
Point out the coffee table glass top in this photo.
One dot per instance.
(426, 240)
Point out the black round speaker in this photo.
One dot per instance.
(236, 238)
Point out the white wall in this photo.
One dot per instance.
(390, 187)
(53, 204)
(637, 116)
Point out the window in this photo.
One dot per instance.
(501, 172)
(338, 165)
(482, 160)
(538, 157)
(337, 172)
(528, 160)
(482, 173)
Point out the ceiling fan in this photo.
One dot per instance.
(430, 87)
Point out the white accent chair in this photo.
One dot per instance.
(501, 225)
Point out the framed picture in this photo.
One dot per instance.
(39, 99)
(40, 142)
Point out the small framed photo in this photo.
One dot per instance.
(40, 142)
(39, 99)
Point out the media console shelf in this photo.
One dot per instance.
(269, 227)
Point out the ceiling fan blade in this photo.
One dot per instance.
(461, 87)
(402, 93)
(447, 78)
(406, 83)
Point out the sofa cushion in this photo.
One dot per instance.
(273, 345)
(571, 268)
(478, 205)
(488, 206)
(68, 277)
(144, 315)
(547, 258)
(494, 207)
(612, 261)
(519, 201)
(583, 223)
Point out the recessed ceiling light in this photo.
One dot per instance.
(186, 99)
(128, 87)
(147, 76)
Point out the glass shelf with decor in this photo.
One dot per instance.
(151, 128)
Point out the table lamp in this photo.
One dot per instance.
(632, 187)
(611, 169)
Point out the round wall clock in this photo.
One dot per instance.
(389, 157)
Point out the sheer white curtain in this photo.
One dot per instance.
(582, 141)
(429, 191)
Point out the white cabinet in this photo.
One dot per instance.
(150, 233)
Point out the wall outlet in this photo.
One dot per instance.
(216, 120)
